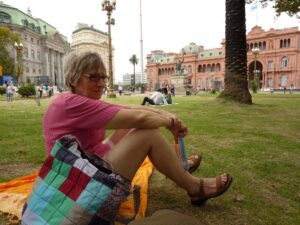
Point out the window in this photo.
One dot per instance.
(212, 68)
(200, 83)
(270, 64)
(5, 18)
(284, 62)
(283, 81)
(32, 40)
(39, 55)
(32, 54)
(207, 83)
(27, 70)
(190, 70)
(270, 82)
(285, 43)
(26, 52)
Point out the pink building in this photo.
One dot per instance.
(274, 55)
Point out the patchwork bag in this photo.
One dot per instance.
(76, 187)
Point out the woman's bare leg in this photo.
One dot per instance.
(117, 135)
(127, 156)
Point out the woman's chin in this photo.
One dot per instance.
(96, 96)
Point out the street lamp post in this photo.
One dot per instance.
(19, 49)
(109, 6)
(255, 51)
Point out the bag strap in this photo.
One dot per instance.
(136, 200)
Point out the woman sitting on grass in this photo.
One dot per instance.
(137, 134)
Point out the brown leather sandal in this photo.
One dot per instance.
(221, 188)
(196, 159)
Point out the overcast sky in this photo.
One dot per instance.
(168, 25)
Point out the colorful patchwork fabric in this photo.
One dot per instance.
(71, 190)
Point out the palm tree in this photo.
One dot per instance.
(236, 85)
(134, 61)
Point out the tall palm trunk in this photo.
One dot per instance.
(134, 75)
(236, 85)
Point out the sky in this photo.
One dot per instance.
(167, 25)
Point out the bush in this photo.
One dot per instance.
(213, 91)
(253, 86)
(2, 90)
(26, 91)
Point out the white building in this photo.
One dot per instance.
(87, 38)
(128, 78)
(43, 48)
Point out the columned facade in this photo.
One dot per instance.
(43, 46)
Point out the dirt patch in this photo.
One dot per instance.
(9, 171)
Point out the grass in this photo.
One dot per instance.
(258, 144)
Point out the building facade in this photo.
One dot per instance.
(43, 47)
(87, 38)
(275, 62)
(128, 78)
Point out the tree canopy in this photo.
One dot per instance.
(291, 7)
(7, 38)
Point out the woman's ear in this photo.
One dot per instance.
(73, 83)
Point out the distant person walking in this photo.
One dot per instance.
(9, 91)
(40, 90)
(120, 89)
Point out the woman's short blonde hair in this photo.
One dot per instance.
(77, 65)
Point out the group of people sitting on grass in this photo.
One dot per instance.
(159, 97)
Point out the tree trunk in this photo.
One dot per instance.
(236, 84)
(134, 76)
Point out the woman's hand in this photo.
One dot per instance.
(178, 128)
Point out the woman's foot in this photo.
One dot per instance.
(194, 162)
(210, 188)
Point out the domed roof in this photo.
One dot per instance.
(190, 48)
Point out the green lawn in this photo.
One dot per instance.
(258, 144)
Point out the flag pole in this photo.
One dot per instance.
(141, 57)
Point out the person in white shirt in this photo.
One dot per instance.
(157, 98)
(9, 91)
(120, 88)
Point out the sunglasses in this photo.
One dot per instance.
(96, 78)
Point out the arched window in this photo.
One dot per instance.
(159, 71)
(5, 18)
(199, 68)
(212, 68)
(218, 67)
(264, 45)
(190, 70)
(284, 62)
(283, 81)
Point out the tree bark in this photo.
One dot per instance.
(236, 84)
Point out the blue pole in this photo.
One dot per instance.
(183, 153)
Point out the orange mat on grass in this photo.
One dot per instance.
(14, 193)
